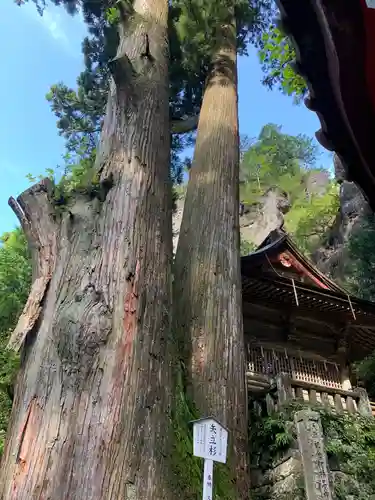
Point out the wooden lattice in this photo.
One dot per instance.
(273, 361)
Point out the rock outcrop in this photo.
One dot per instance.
(256, 220)
(332, 258)
(266, 215)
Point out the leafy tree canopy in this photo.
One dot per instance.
(15, 280)
(289, 162)
(277, 57)
(192, 32)
(15, 271)
(312, 215)
(361, 263)
(274, 159)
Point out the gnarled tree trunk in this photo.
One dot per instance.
(90, 415)
(207, 269)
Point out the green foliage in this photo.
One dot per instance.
(199, 21)
(277, 56)
(288, 162)
(246, 247)
(80, 177)
(193, 30)
(349, 443)
(80, 112)
(112, 15)
(270, 437)
(311, 216)
(275, 159)
(360, 280)
(361, 264)
(15, 280)
(15, 271)
(187, 469)
(365, 371)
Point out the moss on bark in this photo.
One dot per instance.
(188, 470)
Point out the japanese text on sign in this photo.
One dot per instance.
(210, 440)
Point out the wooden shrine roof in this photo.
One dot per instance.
(335, 46)
(317, 298)
(278, 255)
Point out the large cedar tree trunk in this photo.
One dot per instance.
(207, 269)
(90, 416)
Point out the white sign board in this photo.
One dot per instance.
(210, 440)
(370, 4)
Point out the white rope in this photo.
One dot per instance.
(351, 308)
(280, 276)
(295, 292)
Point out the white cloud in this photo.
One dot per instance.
(52, 21)
(66, 30)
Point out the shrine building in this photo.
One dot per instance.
(302, 330)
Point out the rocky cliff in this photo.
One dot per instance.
(256, 220)
(332, 257)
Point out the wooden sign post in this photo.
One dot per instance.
(210, 440)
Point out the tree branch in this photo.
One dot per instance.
(184, 125)
(120, 68)
(36, 215)
(30, 313)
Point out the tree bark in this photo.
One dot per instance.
(207, 281)
(90, 419)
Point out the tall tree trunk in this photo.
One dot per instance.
(90, 416)
(207, 268)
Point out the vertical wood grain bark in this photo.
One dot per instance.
(90, 417)
(207, 269)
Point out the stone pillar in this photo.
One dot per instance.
(314, 458)
(364, 406)
(284, 388)
(345, 378)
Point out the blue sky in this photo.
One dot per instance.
(45, 50)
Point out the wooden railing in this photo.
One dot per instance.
(278, 391)
(266, 361)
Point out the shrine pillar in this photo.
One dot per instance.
(342, 356)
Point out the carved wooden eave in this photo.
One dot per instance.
(335, 46)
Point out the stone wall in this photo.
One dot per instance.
(276, 471)
(332, 258)
(282, 481)
(303, 470)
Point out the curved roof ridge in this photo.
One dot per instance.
(327, 281)
(283, 242)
